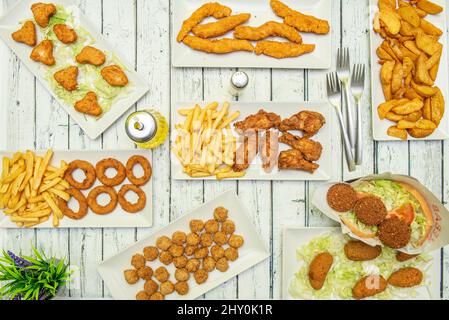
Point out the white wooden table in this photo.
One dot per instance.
(141, 30)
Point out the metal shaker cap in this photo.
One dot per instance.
(239, 79)
(141, 126)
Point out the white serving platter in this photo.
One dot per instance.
(91, 126)
(294, 237)
(261, 12)
(380, 127)
(251, 253)
(118, 218)
(285, 110)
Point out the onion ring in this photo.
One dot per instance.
(82, 201)
(128, 206)
(93, 204)
(88, 170)
(103, 165)
(147, 171)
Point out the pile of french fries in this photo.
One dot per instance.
(205, 144)
(29, 188)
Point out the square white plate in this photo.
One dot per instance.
(251, 253)
(118, 218)
(261, 12)
(285, 110)
(380, 127)
(91, 126)
(294, 237)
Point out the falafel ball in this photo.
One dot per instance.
(220, 214)
(370, 210)
(166, 258)
(180, 262)
(209, 264)
(138, 261)
(150, 253)
(145, 273)
(359, 251)
(193, 265)
(211, 226)
(163, 243)
(179, 238)
(220, 238)
(201, 253)
(176, 250)
(207, 239)
(190, 250)
(222, 265)
(217, 252)
(161, 274)
(193, 239)
(142, 295)
(236, 241)
(196, 226)
(394, 233)
(167, 288)
(228, 227)
(181, 274)
(341, 197)
(231, 254)
(150, 286)
(131, 276)
(201, 276)
(157, 296)
(182, 288)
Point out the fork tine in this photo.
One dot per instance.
(338, 57)
(348, 62)
(338, 85)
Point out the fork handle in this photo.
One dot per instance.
(359, 146)
(351, 127)
(347, 144)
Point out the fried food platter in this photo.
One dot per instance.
(261, 13)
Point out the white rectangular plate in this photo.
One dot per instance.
(261, 12)
(91, 126)
(380, 127)
(285, 110)
(251, 253)
(294, 237)
(118, 218)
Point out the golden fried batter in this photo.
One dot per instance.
(89, 105)
(43, 52)
(218, 46)
(268, 29)
(311, 150)
(214, 9)
(91, 55)
(294, 160)
(67, 78)
(115, 76)
(308, 121)
(26, 34)
(282, 50)
(260, 121)
(43, 12)
(65, 34)
(220, 27)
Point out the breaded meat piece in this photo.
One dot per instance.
(260, 121)
(89, 105)
(369, 286)
(68, 78)
(115, 76)
(402, 257)
(406, 278)
(220, 27)
(43, 53)
(319, 268)
(220, 46)
(65, 34)
(370, 210)
(341, 197)
(311, 150)
(92, 56)
(294, 160)
(282, 50)
(310, 122)
(269, 150)
(394, 233)
(43, 12)
(26, 34)
(211, 9)
(359, 251)
(268, 29)
(246, 153)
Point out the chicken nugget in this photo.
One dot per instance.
(394, 233)
(217, 252)
(220, 46)
(196, 226)
(179, 238)
(176, 251)
(157, 296)
(193, 239)
(319, 268)
(341, 197)
(406, 278)
(161, 274)
(190, 250)
(282, 50)
(228, 227)
(43, 53)
(150, 253)
(115, 76)
(231, 254)
(89, 105)
(402, 257)
(211, 226)
(193, 265)
(167, 288)
(163, 243)
(220, 27)
(180, 262)
(42, 13)
(370, 210)
(68, 78)
(65, 34)
(182, 288)
(359, 251)
(145, 273)
(207, 239)
(220, 214)
(369, 286)
(182, 274)
(26, 34)
(142, 295)
(138, 261)
(91, 55)
(236, 241)
(150, 286)
(131, 276)
(222, 265)
(268, 29)
(201, 276)
(220, 238)
(201, 253)
(166, 258)
(209, 264)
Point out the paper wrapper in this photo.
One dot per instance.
(439, 235)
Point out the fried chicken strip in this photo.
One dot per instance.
(213, 9)
(268, 29)
(294, 159)
(220, 27)
(310, 149)
(218, 46)
(308, 121)
(269, 150)
(282, 50)
(260, 121)
(246, 153)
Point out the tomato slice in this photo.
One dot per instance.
(406, 213)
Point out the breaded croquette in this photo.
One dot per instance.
(369, 286)
(167, 288)
(138, 261)
(220, 238)
(190, 250)
(193, 265)
(157, 296)
(201, 253)
(319, 268)
(406, 278)
(150, 286)
(131, 276)
(359, 251)
(145, 273)
(176, 251)
(91, 55)
(65, 34)
(211, 226)
(115, 76)
(42, 13)
(201, 276)
(217, 252)
(268, 29)
(165, 257)
(182, 274)
(193, 239)
(209, 264)
(219, 46)
(43, 52)
(182, 288)
(236, 241)
(142, 295)
(150, 253)
(282, 50)
(231, 254)
(207, 239)
(196, 226)
(222, 265)
(68, 78)
(180, 262)
(89, 105)
(228, 227)
(179, 238)
(220, 214)
(220, 27)
(161, 274)
(26, 34)
(163, 243)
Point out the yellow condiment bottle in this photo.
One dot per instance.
(147, 128)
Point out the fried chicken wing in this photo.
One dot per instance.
(308, 121)
(115, 76)
(260, 121)
(213, 9)
(268, 29)
(220, 27)
(218, 46)
(282, 50)
(294, 160)
(310, 149)
(43, 53)
(269, 150)
(68, 78)
(43, 12)
(89, 105)
(91, 55)
(65, 34)
(246, 153)
(26, 34)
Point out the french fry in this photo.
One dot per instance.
(53, 205)
(60, 194)
(230, 175)
(41, 170)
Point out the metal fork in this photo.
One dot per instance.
(343, 72)
(334, 96)
(357, 87)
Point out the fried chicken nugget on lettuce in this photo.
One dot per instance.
(65, 34)
(43, 12)
(91, 55)
(26, 34)
(43, 53)
(67, 78)
(115, 76)
(89, 105)
(218, 46)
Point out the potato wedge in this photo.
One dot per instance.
(407, 29)
(411, 94)
(425, 124)
(409, 107)
(404, 124)
(382, 54)
(437, 105)
(391, 20)
(424, 91)
(413, 117)
(386, 107)
(430, 29)
(386, 74)
(427, 110)
(409, 14)
(434, 59)
(429, 7)
(427, 43)
(421, 13)
(395, 132)
(422, 75)
(386, 5)
(396, 79)
(411, 45)
(393, 117)
(420, 133)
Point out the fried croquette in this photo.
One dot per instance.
(231, 254)
(201, 253)
(209, 264)
(196, 226)
(207, 239)
(43, 53)
(402, 257)
(319, 268)
(161, 274)
(165, 257)
(145, 273)
(406, 278)
(150, 286)
(138, 261)
(115, 76)
(341, 197)
(370, 210)
(193, 239)
(150, 253)
(359, 251)
(394, 233)
(220, 238)
(182, 274)
(89, 105)
(217, 252)
(163, 243)
(142, 295)
(157, 296)
(369, 286)
(222, 265)
(67, 78)
(193, 265)
(268, 29)
(282, 50)
(42, 13)
(167, 288)
(26, 34)
(65, 34)
(211, 226)
(91, 55)
(236, 241)
(176, 251)
(220, 27)
(179, 238)
(190, 250)
(219, 46)
(228, 227)
(182, 288)
(201, 276)
(180, 262)
(221, 214)
(131, 276)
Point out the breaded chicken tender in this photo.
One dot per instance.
(319, 268)
(43, 53)
(359, 251)
(91, 55)
(220, 46)
(268, 29)
(282, 50)
(213, 9)
(115, 76)
(26, 34)
(68, 78)
(406, 278)
(89, 105)
(369, 286)
(65, 34)
(43, 12)
(220, 27)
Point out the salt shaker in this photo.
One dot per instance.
(239, 81)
